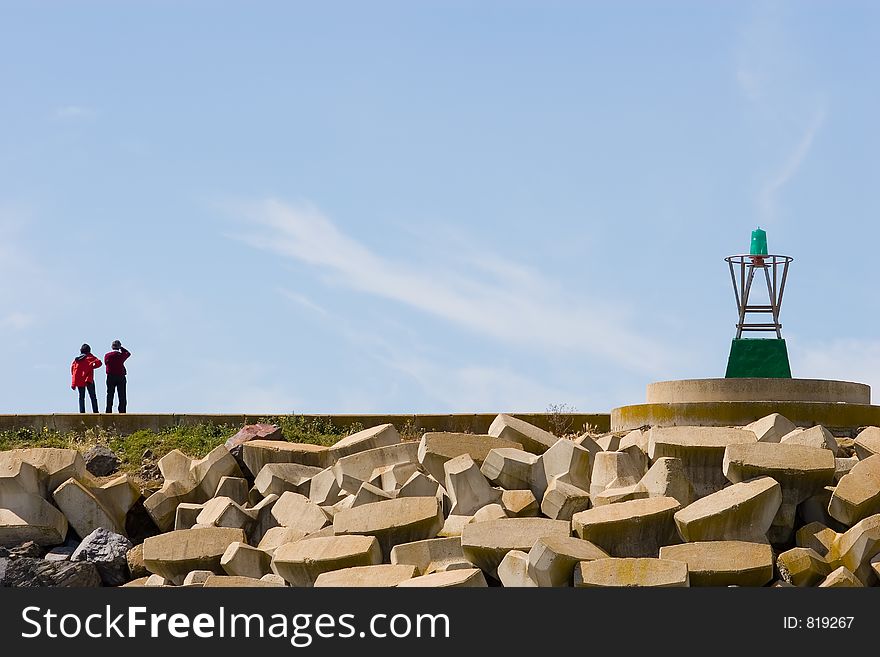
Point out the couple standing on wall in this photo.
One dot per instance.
(82, 371)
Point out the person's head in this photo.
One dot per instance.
(116, 344)
(85, 349)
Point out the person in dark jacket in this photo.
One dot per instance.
(114, 360)
(82, 373)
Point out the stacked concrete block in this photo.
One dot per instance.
(532, 438)
(562, 500)
(258, 453)
(667, 478)
(512, 469)
(490, 512)
(741, 512)
(816, 536)
(279, 478)
(724, 563)
(772, 428)
(513, 571)
(701, 450)
(88, 505)
(224, 512)
(463, 578)
(520, 503)
(631, 572)
(638, 528)
(24, 513)
(383, 435)
(552, 559)
(867, 443)
(467, 487)
(855, 548)
(242, 560)
(430, 555)
(353, 470)
(301, 563)
(174, 554)
(817, 436)
(380, 575)
(802, 567)
(392, 521)
(857, 495)
(484, 544)
(613, 470)
(801, 471)
(841, 578)
(435, 448)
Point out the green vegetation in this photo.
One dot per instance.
(195, 441)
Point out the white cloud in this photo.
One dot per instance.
(772, 187)
(73, 113)
(302, 300)
(17, 321)
(500, 299)
(847, 359)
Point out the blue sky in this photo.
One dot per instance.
(427, 206)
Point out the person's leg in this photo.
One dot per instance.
(93, 396)
(123, 401)
(82, 398)
(110, 386)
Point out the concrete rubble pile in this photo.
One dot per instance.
(768, 504)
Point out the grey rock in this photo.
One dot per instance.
(60, 553)
(107, 550)
(26, 572)
(101, 461)
(26, 549)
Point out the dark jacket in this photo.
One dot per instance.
(114, 361)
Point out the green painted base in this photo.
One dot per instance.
(758, 358)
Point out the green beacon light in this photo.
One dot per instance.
(759, 242)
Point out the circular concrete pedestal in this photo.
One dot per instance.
(840, 406)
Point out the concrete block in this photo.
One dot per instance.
(467, 487)
(381, 575)
(561, 500)
(552, 559)
(383, 435)
(490, 512)
(875, 565)
(55, 464)
(567, 461)
(843, 466)
(235, 488)
(135, 559)
(630, 529)
(532, 438)
(802, 567)
(815, 509)
(741, 512)
(817, 537)
(613, 468)
(817, 436)
(641, 572)
(453, 526)
(224, 512)
(323, 488)
(392, 521)
(484, 544)
(186, 515)
(24, 513)
(277, 536)
(188, 480)
(667, 478)
(279, 478)
(140, 581)
(157, 581)
(867, 443)
(591, 444)
(242, 560)
(462, 578)
(368, 493)
(513, 571)
(857, 495)
(856, 547)
(841, 578)
(800, 470)
(419, 485)
(512, 469)
(351, 471)
(435, 448)
(390, 478)
(608, 442)
(429, 555)
(228, 581)
(196, 577)
(272, 578)
(771, 428)
(257, 453)
(89, 506)
(174, 554)
(623, 494)
(263, 518)
(298, 512)
(300, 563)
(520, 503)
(724, 563)
(701, 450)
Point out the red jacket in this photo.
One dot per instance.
(82, 370)
(115, 359)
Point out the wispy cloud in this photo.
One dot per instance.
(73, 113)
(501, 300)
(17, 321)
(767, 199)
(302, 300)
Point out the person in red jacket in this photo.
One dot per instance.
(82, 372)
(116, 374)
